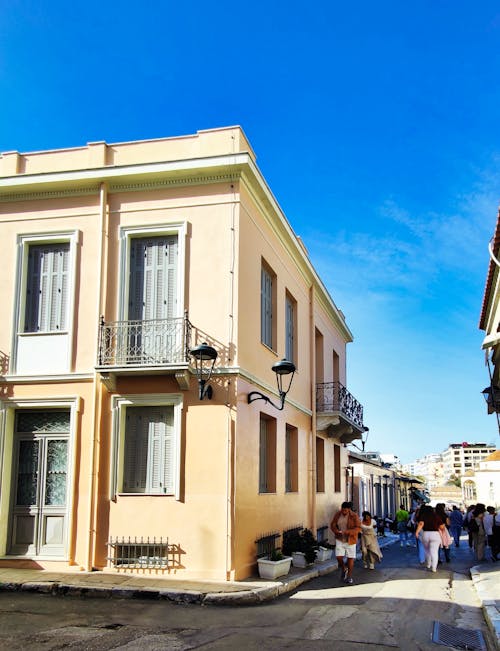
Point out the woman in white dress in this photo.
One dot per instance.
(370, 549)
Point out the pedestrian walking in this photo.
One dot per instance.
(420, 547)
(346, 527)
(476, 528)
(456, 522)
(402, 517)
(370, 550)
(495, 545)
(467, 519)
(488, 528)
(445, 540)
(428, 527)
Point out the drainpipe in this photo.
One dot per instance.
(97, 387)
(231, 415)
(312, 371)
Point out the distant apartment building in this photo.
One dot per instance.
(409, 468)
(431, 468)
(460, 458)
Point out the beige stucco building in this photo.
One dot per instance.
(120, 259)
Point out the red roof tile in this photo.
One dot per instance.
(489, 279)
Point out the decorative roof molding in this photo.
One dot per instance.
(55, 194)
(202, 179)
(156, 184)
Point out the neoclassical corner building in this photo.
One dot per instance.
(130, 271)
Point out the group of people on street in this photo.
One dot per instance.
(434, 529)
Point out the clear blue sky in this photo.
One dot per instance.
(375, 124)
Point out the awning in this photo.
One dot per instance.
(420, 496)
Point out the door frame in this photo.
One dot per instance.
(8, 410)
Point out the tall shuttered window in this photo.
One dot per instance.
(267, 455)
(47, 288)
(291, 460)
(153, 277)
(320, 465)
(149, 450)
(267, 306)
(336, 468)
(290, 328)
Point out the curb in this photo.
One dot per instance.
(489, 606)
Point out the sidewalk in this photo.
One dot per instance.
(486, 579)
(130, 586)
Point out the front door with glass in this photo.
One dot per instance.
(39, 511)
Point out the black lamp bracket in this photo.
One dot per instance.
(205, 390)
(256, 395)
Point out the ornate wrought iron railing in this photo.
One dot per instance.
(144, 343)
(333, 396)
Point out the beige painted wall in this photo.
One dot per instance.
(229, 229)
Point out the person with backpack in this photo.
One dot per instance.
(456, 522)
(467, 518)
(488, 527)
(476, 529)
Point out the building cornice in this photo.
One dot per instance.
(195, 171)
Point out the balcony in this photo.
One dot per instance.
(157, 346)
(338, 412)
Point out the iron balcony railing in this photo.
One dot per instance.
(144, 343)
(333, 396)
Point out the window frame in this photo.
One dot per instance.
(291, 459)
(267, 454)
(129, 233)
(291, 336)
(320, 464)
(119, 408)
(24, 242)
(268, 306)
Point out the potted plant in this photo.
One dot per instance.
(323, 553)
(302, 545)
(274, 565)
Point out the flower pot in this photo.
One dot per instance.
(299, 559)
(273, 569)
(323, 554)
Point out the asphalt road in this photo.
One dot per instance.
(392, 607)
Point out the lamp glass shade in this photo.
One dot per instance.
(284, 367)
(204, 352)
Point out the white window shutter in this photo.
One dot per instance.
(263, 456)
(266, 307)
(136, 451)
(290, 327)
(47, 288)
(149, 463)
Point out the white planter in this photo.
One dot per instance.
(273, 569)
(299, 559)
(323, 554)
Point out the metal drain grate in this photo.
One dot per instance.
(460, 638)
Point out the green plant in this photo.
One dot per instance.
(276, 555)
(291, 541)
(303, 541)
(309, 545)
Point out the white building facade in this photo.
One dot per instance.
(460, 458)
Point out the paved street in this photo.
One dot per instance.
(392, 607)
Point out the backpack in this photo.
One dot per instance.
(473, 525)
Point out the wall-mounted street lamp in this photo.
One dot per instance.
(281, 369)
(204, 360)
